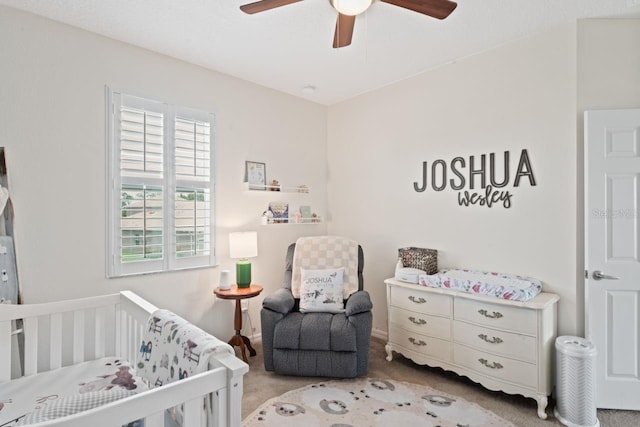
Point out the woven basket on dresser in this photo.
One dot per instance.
(420, 258)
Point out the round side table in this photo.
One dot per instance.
(237, 294)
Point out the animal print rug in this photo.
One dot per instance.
(370, 402)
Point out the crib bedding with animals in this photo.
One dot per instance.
(173, 349)
(67, 390)
(498, 285)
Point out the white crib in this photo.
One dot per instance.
(112, 325)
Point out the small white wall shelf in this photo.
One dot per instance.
(292, 221)
(278, 189)
(300, 189)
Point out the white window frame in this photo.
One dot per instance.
(168, 183)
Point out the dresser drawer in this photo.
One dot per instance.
(439, 327)
(513, 371)
(428, 346)
(510, 344)
(420, 301)
(517, 319)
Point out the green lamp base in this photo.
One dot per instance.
(243, 273)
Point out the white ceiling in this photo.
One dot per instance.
(289, 48)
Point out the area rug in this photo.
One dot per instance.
(370, 402)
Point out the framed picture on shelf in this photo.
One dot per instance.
(305, 213)
(255, 173)
(279, 212)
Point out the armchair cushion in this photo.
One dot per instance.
(359, 302)
(315, 331)
(281, 301)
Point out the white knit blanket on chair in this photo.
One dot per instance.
(324, 252)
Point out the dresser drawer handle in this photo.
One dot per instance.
(494, 315)
(417, 321)
(417, 300)
(493, 340)
(419, 343)
(494, 365)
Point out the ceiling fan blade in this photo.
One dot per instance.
(344, 30)
(439, 9)
(261, 6)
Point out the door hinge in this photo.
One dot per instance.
(586, 274)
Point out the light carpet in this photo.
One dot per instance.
(370, 402)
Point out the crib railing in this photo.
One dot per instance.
(63, 333)
(41, 320)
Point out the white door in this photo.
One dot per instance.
(612, 258)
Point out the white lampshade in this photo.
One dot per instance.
(351, 7)
(243, 244)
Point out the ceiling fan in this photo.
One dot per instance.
(349, 9)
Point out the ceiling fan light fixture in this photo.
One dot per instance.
(351, 7)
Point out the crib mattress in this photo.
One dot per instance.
(487, 283)
(67, 390)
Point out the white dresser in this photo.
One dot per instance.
(503, 345)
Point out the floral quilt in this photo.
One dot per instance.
(488, 283)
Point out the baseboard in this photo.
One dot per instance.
(255, 337)
(380, 334)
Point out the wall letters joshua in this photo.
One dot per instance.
(477, 173)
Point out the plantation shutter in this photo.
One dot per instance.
(160, 185)
(192, 213)
(141, 142)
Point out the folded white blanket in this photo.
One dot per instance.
(326, 252)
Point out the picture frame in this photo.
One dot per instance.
(255, 174)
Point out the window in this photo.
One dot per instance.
(160, 186)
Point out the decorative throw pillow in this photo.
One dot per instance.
(321, 290)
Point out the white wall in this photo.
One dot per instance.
(608, 78)
(608, 64)
(523, 95)
(519, 96)
(52, 123)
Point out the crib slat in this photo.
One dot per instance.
(155, 420)
(118, 330)
(100, 333)
(55, 346)
(192, 412)
(137, 341)
(78, 336)
(30, 346)
(127, 334)
(132, 333)
(219, 405)
(5, 350)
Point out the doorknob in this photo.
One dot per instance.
(598, 275)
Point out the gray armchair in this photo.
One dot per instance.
(316, 344)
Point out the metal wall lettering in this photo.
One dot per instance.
(488, 177)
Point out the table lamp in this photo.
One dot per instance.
(243, 245)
